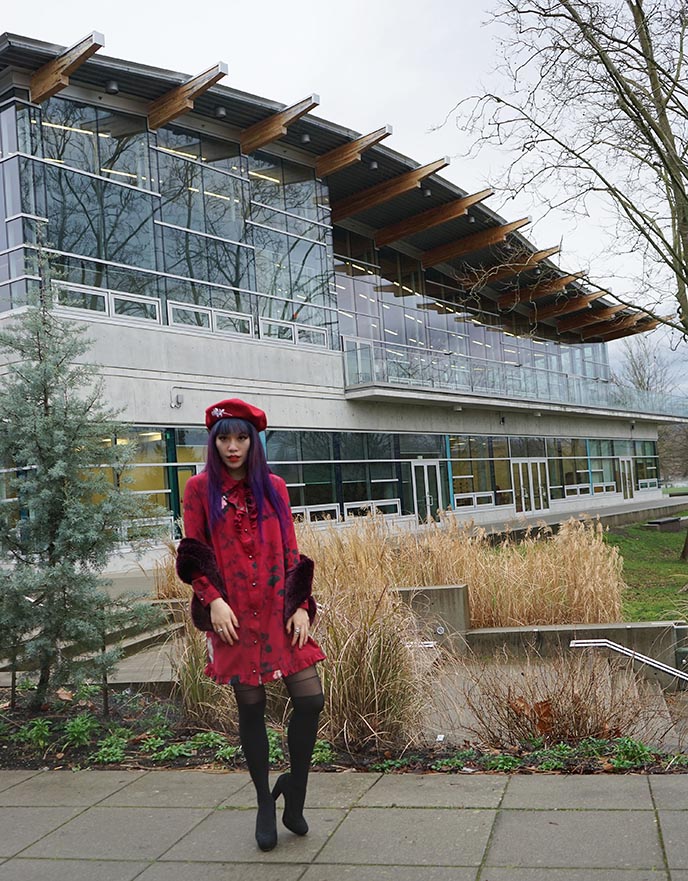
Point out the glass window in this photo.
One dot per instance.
(188, 316)
(232, 323)
(316, 445)
(527, 447)
(131, 308)
(223, 198)
(123, 148)
(185, 253)
(311, 336)
(282, 445)
(75, 223)
(79, 298)
(276, 330)
(352, 445)
(181, 187)
(428, 446)
(70, 134)
(128, 226)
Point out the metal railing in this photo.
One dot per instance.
(629, 653)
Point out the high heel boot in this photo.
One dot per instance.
(266, 825)
(294, 799)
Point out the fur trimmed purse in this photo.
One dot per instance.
(196, 559)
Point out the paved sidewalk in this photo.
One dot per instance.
(198, 826)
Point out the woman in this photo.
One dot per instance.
(239, 546)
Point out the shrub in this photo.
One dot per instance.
(568, 698)
(204, 702)
(375, 676)
(569, 577)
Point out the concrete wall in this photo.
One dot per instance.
(146, 367)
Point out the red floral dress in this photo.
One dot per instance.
(253, 569)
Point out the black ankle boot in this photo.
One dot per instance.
(266, 825)
(292, 816)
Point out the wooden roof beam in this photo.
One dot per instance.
(181, 99)
(641, 327)
(428, 219)
(493, 274)
(537, 291)
(275, 126)
(565, 306)
(347, 154)
(594, 316)
(383, 192)
(54, 75)
(611, 326)
(468, 244)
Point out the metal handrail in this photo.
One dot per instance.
(629, 653)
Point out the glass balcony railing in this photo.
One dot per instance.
(372, 363)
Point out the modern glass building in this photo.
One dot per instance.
(414, 352)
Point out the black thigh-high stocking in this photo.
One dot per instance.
(307, 701)
(254, 742)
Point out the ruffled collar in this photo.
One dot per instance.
(237, 494)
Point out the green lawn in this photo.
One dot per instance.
(653, 572)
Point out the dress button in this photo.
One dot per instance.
(254, 584)
(255, 642)
(255, 614)
(250, 557)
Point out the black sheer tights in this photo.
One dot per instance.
(307, 701)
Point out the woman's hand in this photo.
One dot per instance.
(298, 626)
(224, 621)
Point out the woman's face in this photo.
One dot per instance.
(233, 450)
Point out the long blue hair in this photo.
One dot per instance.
(257, 476)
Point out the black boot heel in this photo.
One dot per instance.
(292, 816)
(266, 826)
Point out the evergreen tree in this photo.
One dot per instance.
(64, 495)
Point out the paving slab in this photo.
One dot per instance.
(325, 790)
(183, 789)
(388, 873)
(673, 826)
(56, 788)
(108, 833)
(19, 869)
(229, 836)
(436, 790)
(670, 792)
(11, 778)
(410, 836)
(629, 792)
(20, 827)
(576, 839)
(575, 875)
(222, 872)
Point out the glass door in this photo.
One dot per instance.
(531, 491)
(427, 489)
(626, 469)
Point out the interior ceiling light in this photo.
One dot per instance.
(220, 112)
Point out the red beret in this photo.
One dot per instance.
(236, 409)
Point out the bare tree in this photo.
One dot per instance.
(646, 366)
(596, 112)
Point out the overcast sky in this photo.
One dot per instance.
(372, 62)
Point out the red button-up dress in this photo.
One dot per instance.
(253, 568)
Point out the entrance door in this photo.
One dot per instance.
(626, 469)
(427, 489)
(531, 492)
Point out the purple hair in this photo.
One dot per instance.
(257, 476)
